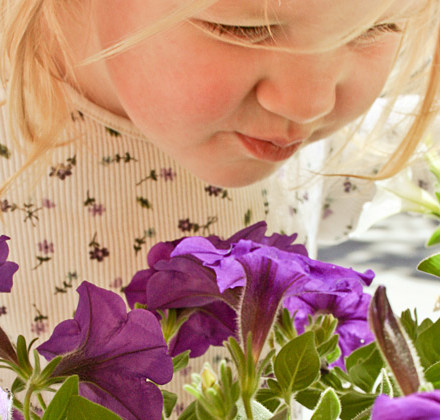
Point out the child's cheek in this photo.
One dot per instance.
(182, 91)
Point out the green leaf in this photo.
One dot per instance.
(428, 345)
(432, 374)
(409, 323)
(58, 406)
(331, 379)
(18, 385)
(169, 402)
(297, 364)
(426, 323)
(189, 413)
(328, 407)
(23, 355)
(202, 413)
(259, 411)
(328, 346)
(430, 265)
(50, 367)
(364, 365)
(386, 386)
(309, 397)
(268, 398)
(81, 408)
(354, 403)
(435, 237)
(181, 361)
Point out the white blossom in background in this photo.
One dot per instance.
(5, 405)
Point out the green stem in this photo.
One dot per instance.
(41, 400)
(27, 402)
(247, 407)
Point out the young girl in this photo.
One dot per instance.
(127, 123)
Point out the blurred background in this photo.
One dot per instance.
(392, 249)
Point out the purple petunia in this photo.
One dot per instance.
(7, 268)
(269, 275)
(118, 357)
(418, 406)
(249, 273)
(350, 310)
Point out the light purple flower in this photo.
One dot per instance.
(7, 268)
(5, 405)
(269, 269)
(270, 275)
(115, 354)
(350, 310)
(182, 282)
(419, 406)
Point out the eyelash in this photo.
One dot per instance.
(372, 33)
(255, 34)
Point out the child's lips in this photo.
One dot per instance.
(270, 150)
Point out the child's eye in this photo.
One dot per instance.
(253, 34)
(371, 34)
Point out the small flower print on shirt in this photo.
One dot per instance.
(67, 284)
(29, 209)
(265, 201)
(185, 225)
(139, 242)
(45, 247)
(144, 202)
(248, 217)
(40, 324)
(77, 116)
(167, 174)
(3, 310)
(63, 170)
(97, 253)
(5, 206)
(95, 209)
(217, 192)
(349, 186)
(4, 151)
(112, 132)
(116, 283)
(48, 204)
(117, 158)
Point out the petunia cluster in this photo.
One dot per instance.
(237, 286)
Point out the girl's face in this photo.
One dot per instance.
(232, 114)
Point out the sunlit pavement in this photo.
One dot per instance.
(393, 249)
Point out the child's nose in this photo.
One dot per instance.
(302, 88)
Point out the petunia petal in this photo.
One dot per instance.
(113, 353)
(420, 406)
(210, 326)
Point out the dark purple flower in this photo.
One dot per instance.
(419, 406)
(7, 268)
(182, 282)
(350, 310)
(194, 272)
(270, 275)
(115, 354)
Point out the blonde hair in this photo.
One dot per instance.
(37, 101)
